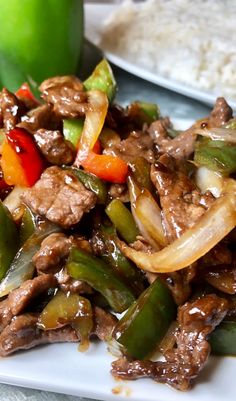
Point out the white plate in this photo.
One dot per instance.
(61, 368)
(95, 16)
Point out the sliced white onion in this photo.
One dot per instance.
(134, 192)
(13, 200)
(218, 134)
(209, 180)
(94, 120)
(149, 214)
(212, 227)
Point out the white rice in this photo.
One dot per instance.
(190, 41)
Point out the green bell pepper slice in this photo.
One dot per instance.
(8, 239)
(22, 268)
(91, 182)
(72, 130)
(39, 39)
(100, 276)
(121, 265)
(123, 220)
(146, 322)
(68, 308)
(216, 155)
(28, 225)
(102, 78)
(140, 172)
(223, 338)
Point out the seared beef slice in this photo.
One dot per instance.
(60, 197)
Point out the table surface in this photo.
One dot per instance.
(131, 88)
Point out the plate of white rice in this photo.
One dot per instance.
(183, 45)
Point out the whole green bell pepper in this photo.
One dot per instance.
(39, 39)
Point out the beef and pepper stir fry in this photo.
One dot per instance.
(108, 210)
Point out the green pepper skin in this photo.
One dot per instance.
(123, 220)
(39, 39)
(72, 130)
(150, 110)
(100, 276)
(223, 339)
(122, 266)
(28, 225)
(140, 172)
(102, 78)
(216, 155)
(8, 240)
(22, 268)
(91, 182)
(146, 322)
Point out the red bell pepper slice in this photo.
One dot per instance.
(107, 167)
(22, 163)
(25, 93)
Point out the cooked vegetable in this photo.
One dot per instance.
(219, 134)
(100, 276)
(223, 339)
(143, 112)
(93, 124)
(107, 167)
(8, 240)
(122, 220)
(209, 180)
(123, 266)
(149, 214)
(21, 161)
(72, 130)
(66, 309)
(216, 155)
(214, 225)
(28, 225)
(24, 93)
(21, 53)
(102, 78)
(91, 182)
(146, 322)
(140, 172)
(22, 268)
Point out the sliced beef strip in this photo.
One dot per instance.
(60, 197)
(68, 284)
(23, 333)
(11, 109)
(54, 147)
(20, 298)
(181, 147)
(5, 314)
(54, 250)
(221, 113)
(66, 95)
(138, 144)
(197, 320)
(41, 117)
(119, 191)
(104, 323)
(182, 204)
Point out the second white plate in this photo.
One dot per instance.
(95, 15)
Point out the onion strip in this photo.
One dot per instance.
(212, 227)
(94, 121)
(149, 213)
(218, 134)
